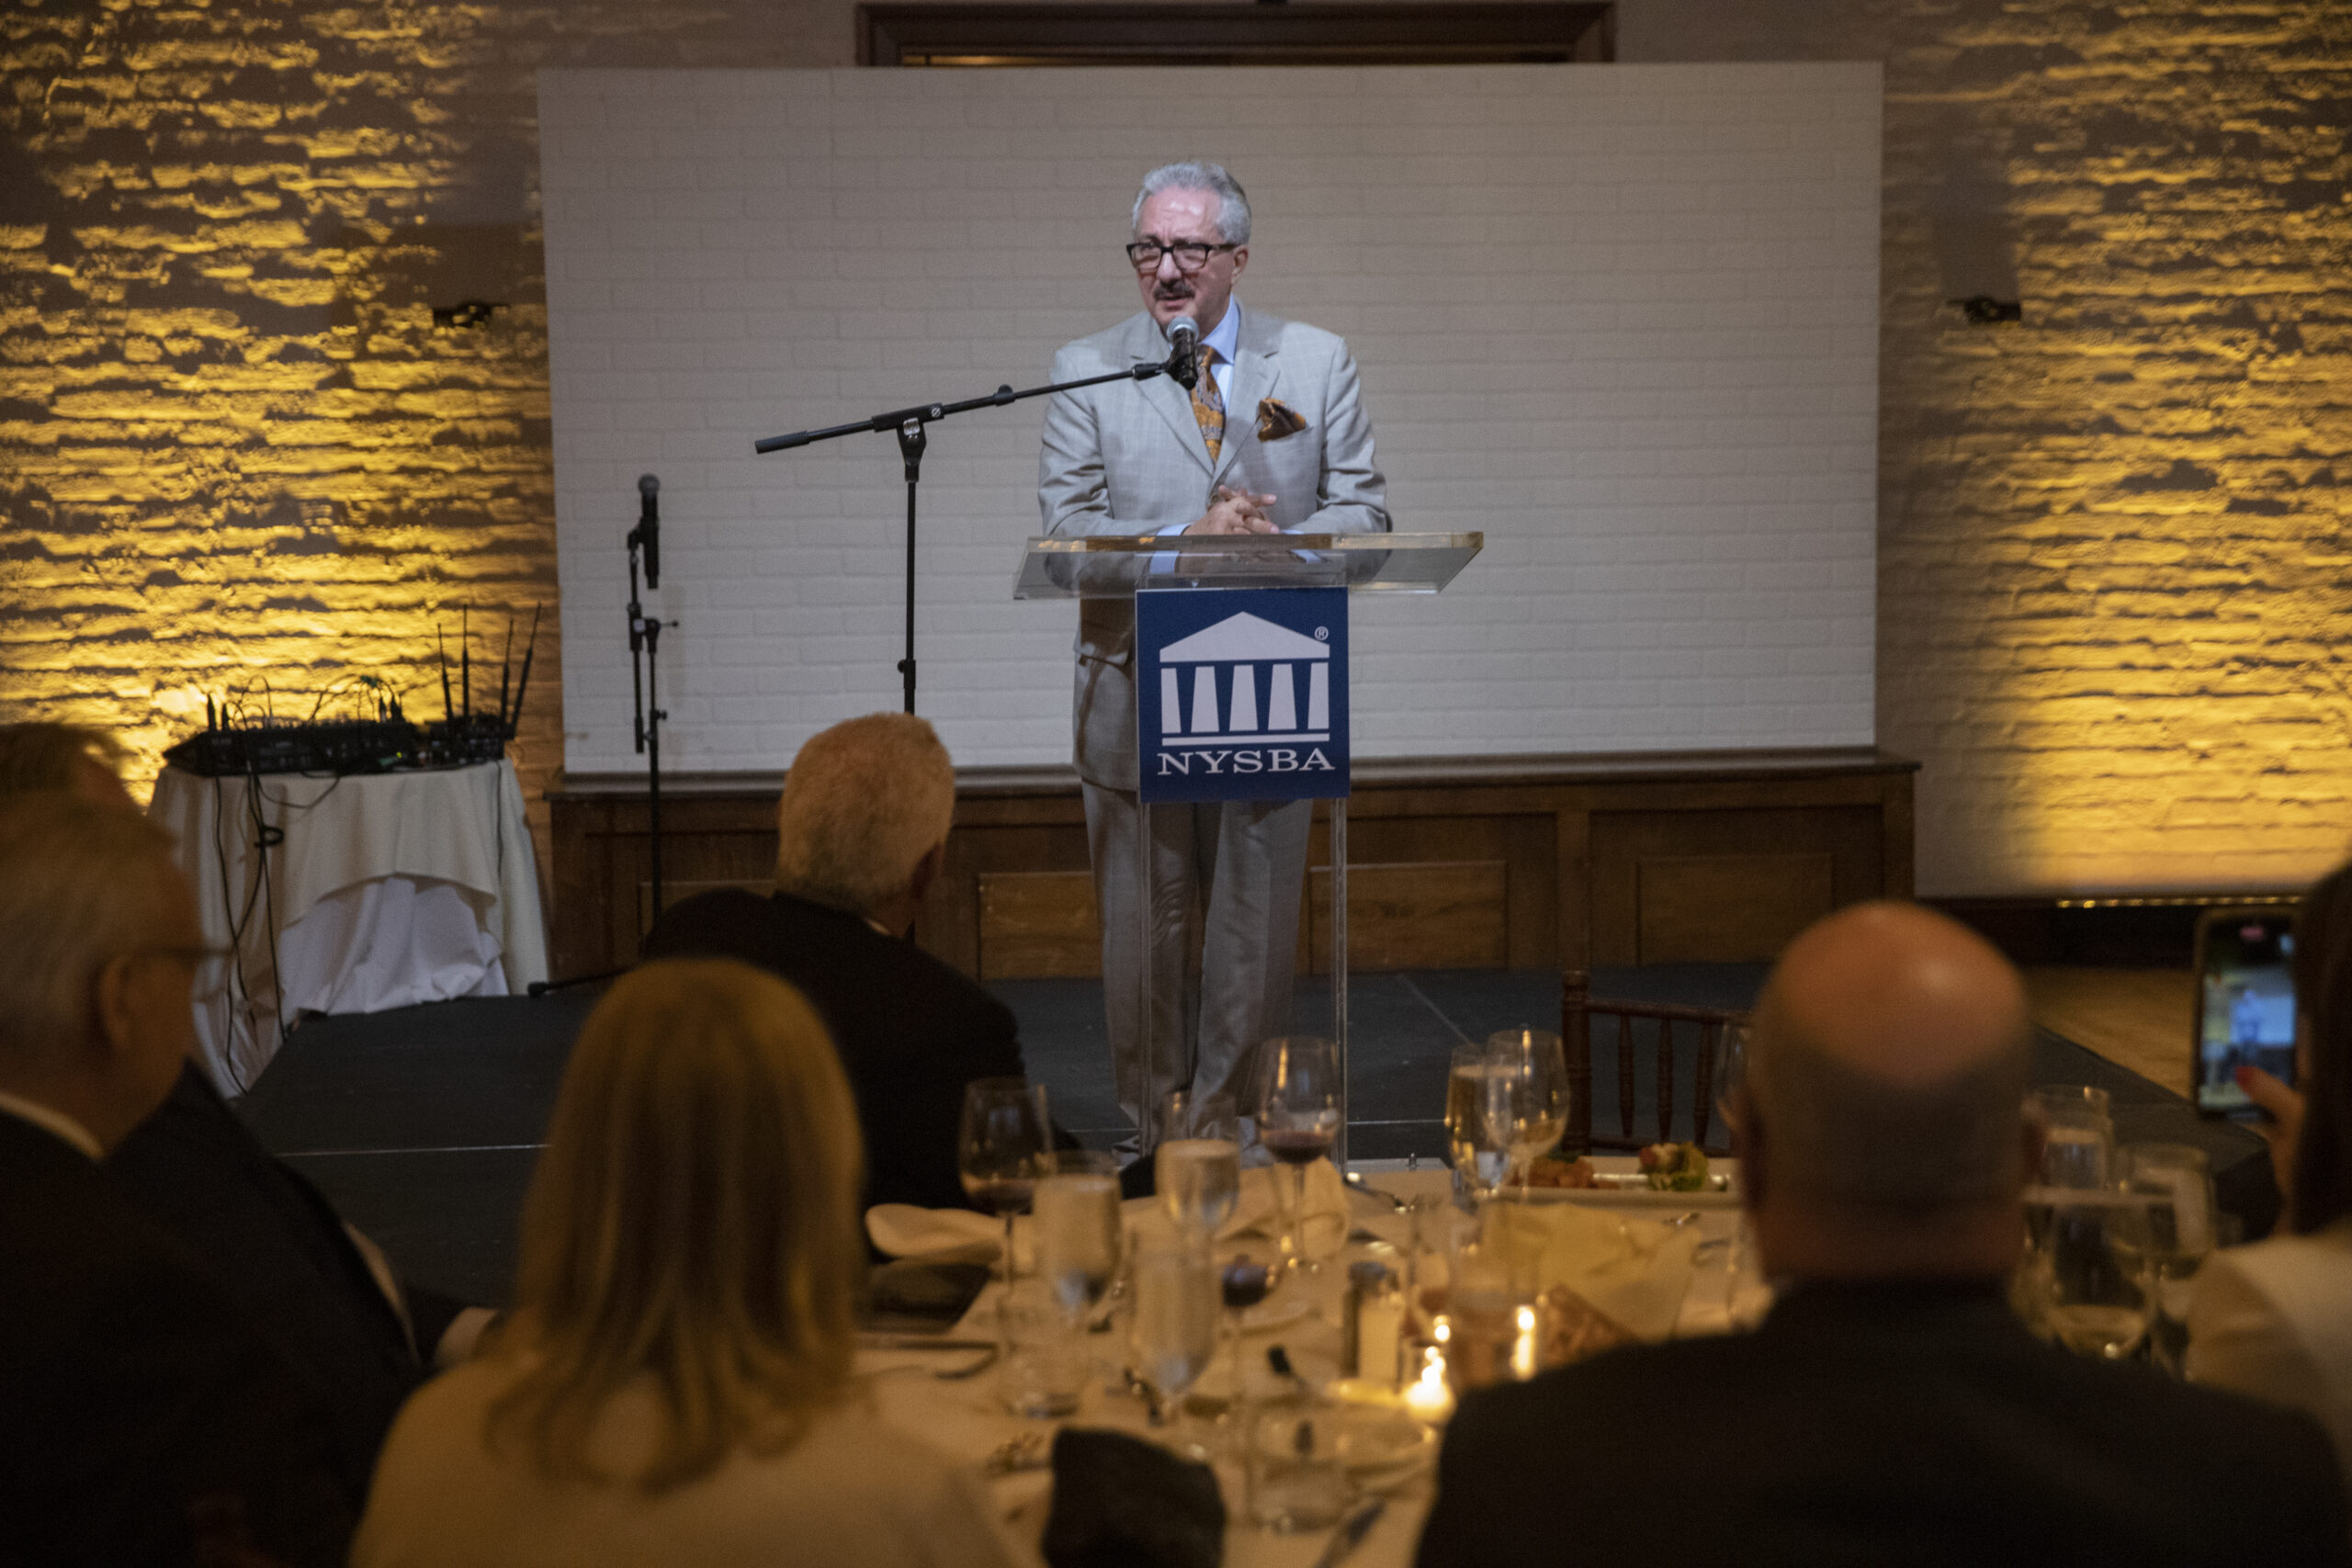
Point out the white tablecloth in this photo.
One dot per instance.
(966, 1420)
(387, 889)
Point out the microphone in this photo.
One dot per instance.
(1183, 363)
(649, 528)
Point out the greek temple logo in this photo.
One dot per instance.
(1251, 705)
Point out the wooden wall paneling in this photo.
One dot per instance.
(1762, 870)
(1897, 853)
(1527, 862)
(577, 880)
(1572, 879)
(1532, 894)
(1425, 915)
(706, 841)
(1726, 908)
(1039, 924)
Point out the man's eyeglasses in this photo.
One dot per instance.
(1191, 254)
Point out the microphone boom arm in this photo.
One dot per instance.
(890, 423)
(909, 425)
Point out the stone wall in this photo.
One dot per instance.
(233, 442)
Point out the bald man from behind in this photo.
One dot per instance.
(1890, 1408)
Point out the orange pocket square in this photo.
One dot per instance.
(1276, 420)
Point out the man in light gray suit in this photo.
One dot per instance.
(1274, 438)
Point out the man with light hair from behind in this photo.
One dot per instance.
(1891, 1408)
(142, 1419)
(860, 840)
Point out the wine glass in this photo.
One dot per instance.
(1479, 1162)
(1526, 1096)
(2177, 1182)
(2078, 1136)
(1173, 1334)
(1001, 1148)
(1197, 1170)
(2090, 1271)
(1298, 1118)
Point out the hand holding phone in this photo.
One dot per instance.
(2283, 1122)
(2245, 1012)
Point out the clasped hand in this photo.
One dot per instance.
(1236, 512)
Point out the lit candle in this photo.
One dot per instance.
(1429, 1399)
(1522, 1344)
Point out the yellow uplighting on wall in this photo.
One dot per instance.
(235, 444)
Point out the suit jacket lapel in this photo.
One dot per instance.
(1175, 404)
(1256, 370)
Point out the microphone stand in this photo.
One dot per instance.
(645, 638)
(909, 426)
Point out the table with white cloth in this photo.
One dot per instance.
(381, 890)
(966, 1420)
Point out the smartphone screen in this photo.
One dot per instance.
(2245, 1004)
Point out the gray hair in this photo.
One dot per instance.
(1836, 1133)
(79, 885)
(863, 803)
(1233, 207)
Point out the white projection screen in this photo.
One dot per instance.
(1622, 320)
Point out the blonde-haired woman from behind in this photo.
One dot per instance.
(674, 1386)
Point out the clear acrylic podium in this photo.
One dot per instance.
(1114, 565)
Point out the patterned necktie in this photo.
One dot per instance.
(1208, 404)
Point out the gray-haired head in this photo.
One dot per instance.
(863, 803)
(83, 885)
(1233, 205)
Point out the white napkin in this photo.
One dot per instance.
(909, 1230)
(1636, 1271)
(1323, 1216)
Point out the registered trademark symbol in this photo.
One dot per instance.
(1323, 634)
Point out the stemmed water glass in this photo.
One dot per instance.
(1196, 1170)
(2078, 1136)
(2176, 1181)
(2090, 1269)
(1479, 1161)
(1079, 1227)
(1002, 1149)
(1298, 1118)
(1525, 1098)
(1173, 1334)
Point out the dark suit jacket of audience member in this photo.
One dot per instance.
(1896, 1424)
(280, 1251)
(130, 1386)
(910, 1029)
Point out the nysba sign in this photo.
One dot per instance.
(1241, 694)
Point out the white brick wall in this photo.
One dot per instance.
(1622, 318)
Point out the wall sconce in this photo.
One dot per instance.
(465, 315)
(1982, 309)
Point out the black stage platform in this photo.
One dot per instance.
(422, 1124)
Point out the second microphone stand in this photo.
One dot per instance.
(645, 641)
(910, 425)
